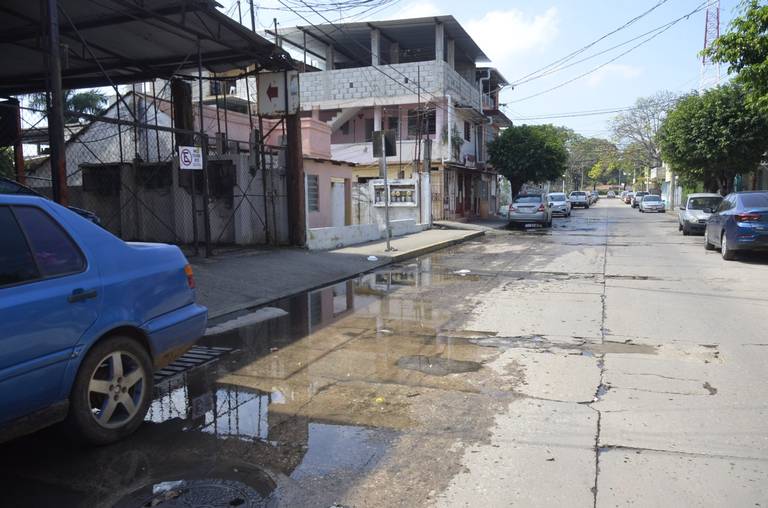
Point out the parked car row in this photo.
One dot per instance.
(739, 222)
(540, 208)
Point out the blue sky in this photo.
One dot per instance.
(525, 35)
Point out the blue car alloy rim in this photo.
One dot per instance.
(116, 389)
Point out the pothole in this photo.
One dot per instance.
(437, 366)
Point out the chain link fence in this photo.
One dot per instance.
(123, 167)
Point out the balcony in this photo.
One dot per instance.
(385, 85)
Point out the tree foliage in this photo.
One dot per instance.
(714, 136)
(76, 104)
(745, 49)
(529, 153)
(7, 168)
(640, 124)
(587, 159)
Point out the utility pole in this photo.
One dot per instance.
(204, 148)
(383, 171)
(58, 158)
(253, 16)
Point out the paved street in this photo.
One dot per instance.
(607, 361)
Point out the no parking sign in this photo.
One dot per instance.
(190, 157)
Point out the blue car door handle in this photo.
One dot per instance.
(79, 295)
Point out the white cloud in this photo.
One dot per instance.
(612, 71)
(506, 34)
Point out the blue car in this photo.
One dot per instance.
(739, 224)
(85, 319)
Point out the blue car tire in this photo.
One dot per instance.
(112, 391)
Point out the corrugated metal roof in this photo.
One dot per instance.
(131, 40)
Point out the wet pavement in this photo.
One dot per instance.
(513, 368)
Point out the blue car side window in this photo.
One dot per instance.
(54, 252)
(16, 262)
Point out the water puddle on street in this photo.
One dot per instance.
(309, 398)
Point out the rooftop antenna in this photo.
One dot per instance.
(710, 71)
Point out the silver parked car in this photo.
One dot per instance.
(696, 211)
(579, 198)
(530, 209)
(559, 203)
(651, 203)
(637, 196)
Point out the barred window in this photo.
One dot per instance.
(313, 193)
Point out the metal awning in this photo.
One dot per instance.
(415, 36)
(105, 42)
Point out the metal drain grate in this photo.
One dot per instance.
(195, 357)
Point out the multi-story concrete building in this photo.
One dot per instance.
(418, 77)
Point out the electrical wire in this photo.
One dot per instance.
(601, 38)
(701, 7)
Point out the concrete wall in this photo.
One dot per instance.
(364, 86)
(333, 238)
(326, 171)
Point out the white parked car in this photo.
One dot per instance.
(579, 198)
(559, 204)
(696, 211)
(651, 203)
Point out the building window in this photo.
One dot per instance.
(345, 128)
(393, 124)
(369, 129)
(220, 87)
(313, 193)
(429, 122)
(467, 131)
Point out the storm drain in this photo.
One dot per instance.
(195, 357)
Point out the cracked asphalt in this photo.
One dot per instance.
(606, 362)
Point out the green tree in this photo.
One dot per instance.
(745, 49)
(529, 153)
(714, 136)
(7, 168)
(76, 104)
(639, 125)
(588, 160)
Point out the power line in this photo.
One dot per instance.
(584, 48)
(595, 69)
(590, 57)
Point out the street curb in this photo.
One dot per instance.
(384, 261)
(434, 246)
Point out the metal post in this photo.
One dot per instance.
(58, 158)
(18, 146)
(204, 146)
(253, 16)
(383, 170)
(277, 38)
(263, 156)
(418, 118)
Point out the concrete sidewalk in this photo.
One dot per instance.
(239, 280)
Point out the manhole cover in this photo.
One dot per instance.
(207, 493)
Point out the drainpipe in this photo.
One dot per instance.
(449, 123)
(486, 78)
